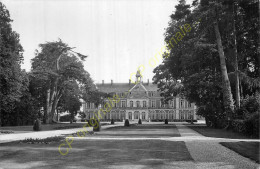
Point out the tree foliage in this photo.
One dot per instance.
(58, 69)
(195, 59)
(12, 78)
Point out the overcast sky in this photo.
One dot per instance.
(117, 35)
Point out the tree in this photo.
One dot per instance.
(70, 100)
(11, 77)
(57, 67)
(203, 60)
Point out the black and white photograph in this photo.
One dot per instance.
(129, 84)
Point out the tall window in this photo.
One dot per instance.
(182, 103)
(189, 105)
(131, 104)
(144, 103)
(153, 103)
(137, 103)
(171, 103)
(162, 104)
(123, 103)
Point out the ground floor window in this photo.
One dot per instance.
(143, 115)
(130, 115)
(181, 115)
(122, 115)
(136, 115)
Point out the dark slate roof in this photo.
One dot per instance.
(122, 87)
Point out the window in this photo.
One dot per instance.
(182, 115)
(137, 103)
(115, 105)
(162, 104)
(131, 104)
(182, 103)
(189, 105)
(123, 103)
(143, 115)
(153, 103)
(144, 103)
(171, 103)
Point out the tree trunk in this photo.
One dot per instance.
(258, 49)
(47, 108)
(235, 53)
(227, 95)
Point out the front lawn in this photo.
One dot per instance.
(246, 149)
(45, 127)
(97, 154)
(218, 133)
(143, 130)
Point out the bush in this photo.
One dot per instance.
(47, 140)
(252, 125)
(139, 121)
(112, 121)
(166, 121)
(241, 113)
(251, 103)
(65, 118)
(95, 124)
(127, 123)
(37, 125)
(238, 126)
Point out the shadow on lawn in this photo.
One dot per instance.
(96, 153)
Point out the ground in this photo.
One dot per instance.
(150, 145)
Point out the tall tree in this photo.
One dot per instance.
(11, 76)
(205, 55)
(57, 67)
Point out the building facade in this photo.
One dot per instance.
(139, 101)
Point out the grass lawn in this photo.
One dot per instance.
(143, 130)
(45, 127)
(218, 133)
(246, 149)
(97, 154)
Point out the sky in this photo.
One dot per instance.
(117, 35)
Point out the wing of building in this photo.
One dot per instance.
(138, 101)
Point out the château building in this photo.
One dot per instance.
(140, 100)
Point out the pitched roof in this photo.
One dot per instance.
(122, 87)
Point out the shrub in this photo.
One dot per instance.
(127, 123)
(251, 103)
(65, 118)
(241, 113)
(112, 121)
(238, 126)
(166, 121)
(139, 121)
(47, 140)
(95, 124)
(37, 125)
(252, 125)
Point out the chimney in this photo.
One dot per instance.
(129, 81)
(102, 82)
(147, 81)
(111, 82)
